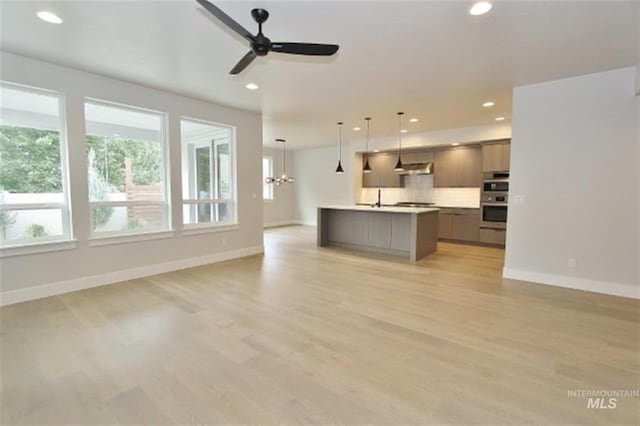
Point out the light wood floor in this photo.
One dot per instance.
(308, 336)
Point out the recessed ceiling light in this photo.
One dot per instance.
(49, 17)
(357, 129)
(488, 104)
(455, 144)
(413, 120)
(252, 86)
(499, 118)
(480, 8)
(403, 131)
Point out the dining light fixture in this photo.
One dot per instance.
(367, 167)
(339, 169)
(283, 178)
(398, 167)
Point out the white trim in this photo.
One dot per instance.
(107, 240)
(61, 287)
(206, 228)
(133, 203)
(39, 247)
(615, 289)
(278, 223)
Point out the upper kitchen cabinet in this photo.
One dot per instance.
(382, 174)
(411, 157)
(495, 156)
(458, 167)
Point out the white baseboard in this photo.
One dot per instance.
(278, 223)
(614, 289)
(61, 287)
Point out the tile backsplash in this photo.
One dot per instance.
(420, 189)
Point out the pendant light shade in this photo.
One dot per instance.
(367, 167)
(284, 178)
(339, 169)
(399, 167)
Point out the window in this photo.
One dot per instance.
(208, 173)
(34, 202)
(267, 170)
(127, 169)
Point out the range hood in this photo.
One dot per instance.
(417, 169)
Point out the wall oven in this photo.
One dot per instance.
(493, 213)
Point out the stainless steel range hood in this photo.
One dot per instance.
(417, 169)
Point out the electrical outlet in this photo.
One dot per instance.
(224, 241)
(572, 262)
(254, 195)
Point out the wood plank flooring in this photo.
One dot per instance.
(304, 335)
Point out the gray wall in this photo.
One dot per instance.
(574, 157)
(26, 271)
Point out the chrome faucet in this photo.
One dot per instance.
(378, 203)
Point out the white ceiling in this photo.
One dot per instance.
(430, 59)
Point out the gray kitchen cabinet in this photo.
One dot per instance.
(459, 224)
(445, 225)
(424, 156)
(382, 174)
(379, 230)
(421, 156)
(496, 157)
(445, 169)
(400, 232)
(493, 236)
(466, 227)
(458, 167)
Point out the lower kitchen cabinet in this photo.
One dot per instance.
(459, 224)
(493, 236)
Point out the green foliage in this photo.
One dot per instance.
(7, 217)
(29, 160)
(136, 223)
(109, 161)
(36, 230)
(98, 192)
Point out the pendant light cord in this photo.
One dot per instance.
(400, 134)
(368, 119)
(340, 142)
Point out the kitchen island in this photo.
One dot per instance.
(409, 232)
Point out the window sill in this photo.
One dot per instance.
(107, 240)
(205, 229)
(34, 248)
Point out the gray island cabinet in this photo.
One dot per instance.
(411, 233)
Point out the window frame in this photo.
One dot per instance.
(165, 205)
(192, 228)
(65, 206)
(271, 162)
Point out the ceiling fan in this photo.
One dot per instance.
(261, 45)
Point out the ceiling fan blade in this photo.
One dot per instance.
(243, 63)
(226, 19)
(313, 49)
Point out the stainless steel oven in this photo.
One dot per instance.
(493, 213)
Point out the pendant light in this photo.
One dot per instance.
(283, 178)
(367, 167)
(339, 169)
(398, 167)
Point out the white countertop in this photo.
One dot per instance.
(383, 209)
